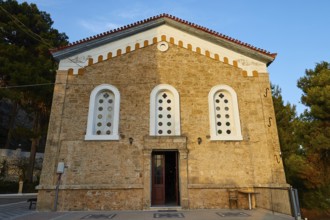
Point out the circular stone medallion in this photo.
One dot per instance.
(162, 46)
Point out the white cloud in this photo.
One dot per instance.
(97, 26)
(131, 14)
(135, 14)
(123, 17)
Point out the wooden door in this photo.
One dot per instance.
(158, 179)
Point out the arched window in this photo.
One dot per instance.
(164, 111)
(224, 114)
(103, 114)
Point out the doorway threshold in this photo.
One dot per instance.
(165, 208)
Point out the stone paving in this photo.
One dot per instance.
(20, 211)
(15, 198)
(14, 210)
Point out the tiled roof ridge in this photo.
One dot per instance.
(164, 15)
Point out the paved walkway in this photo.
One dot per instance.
(20, 211)
(13, 210)
(15, 198)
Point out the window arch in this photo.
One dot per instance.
(103, 114)
(224, 114)
(164, 111)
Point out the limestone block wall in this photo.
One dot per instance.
(110, 174)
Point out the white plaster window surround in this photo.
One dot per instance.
(224, 114)
(103, 114)
(164, 111)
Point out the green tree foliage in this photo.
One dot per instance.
(26, 35)
(314, 134)
(316, 88)
(305, 140)
(286, 120)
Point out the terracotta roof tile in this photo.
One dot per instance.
(207, 30)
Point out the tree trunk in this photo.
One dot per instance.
(34, 144)
(33, 151)
(11, 124)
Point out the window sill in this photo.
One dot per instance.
(101, 137)
(230, 138)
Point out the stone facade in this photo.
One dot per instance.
(116, 174)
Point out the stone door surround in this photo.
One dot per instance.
(161, 143)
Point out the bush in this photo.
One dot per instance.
(7, 187)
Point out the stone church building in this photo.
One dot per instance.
(162, 113)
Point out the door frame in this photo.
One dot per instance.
(165, 143)
(162, 187)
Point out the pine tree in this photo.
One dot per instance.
(286, 120)
(26, 35)
(314, 133)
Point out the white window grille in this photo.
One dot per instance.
(103, 115)
(164, 111)
(224, 114)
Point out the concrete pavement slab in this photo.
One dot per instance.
(256, 214)
(15, 198)
(14, 210)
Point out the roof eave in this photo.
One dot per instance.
(199, 32)
(79, 48)
(268, 59)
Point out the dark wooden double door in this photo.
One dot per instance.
(165, 183)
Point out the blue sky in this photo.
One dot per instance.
(298, 30)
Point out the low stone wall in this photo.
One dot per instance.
(13, 154)
(274, 199)
(14, 162)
